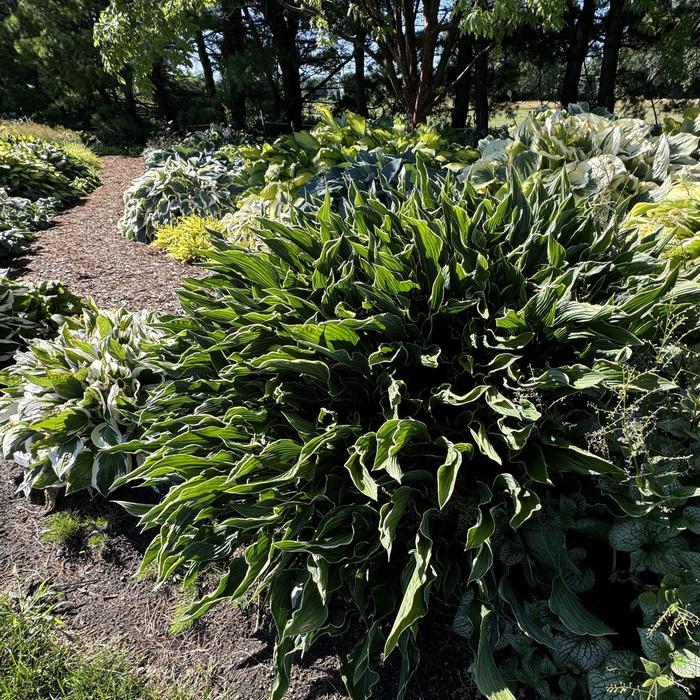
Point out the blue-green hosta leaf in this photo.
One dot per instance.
(686, 663)
(586, 653)
(573, 613)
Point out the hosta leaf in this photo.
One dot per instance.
(486, 675)
(414, 603)
(572, 612)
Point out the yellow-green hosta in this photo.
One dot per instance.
(676, 217)
(187, 238)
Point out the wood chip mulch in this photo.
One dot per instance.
(84, 250)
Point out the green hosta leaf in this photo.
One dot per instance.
(449, 470)
(486, 675)
(414, 603)
(65, 385)
(572, 612)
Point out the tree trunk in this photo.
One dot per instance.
(460, 108)
(481, 87)
(205, 61)
(284, 25)
(161, 91)
(232, 44)
(127, 87)
(614, 29)
(578, 48)
(360, 86)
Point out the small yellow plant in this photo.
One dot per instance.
(187, 237)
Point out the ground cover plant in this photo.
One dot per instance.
(441, 398)
(41, 171)
(206, 177)
(411, 395)
(602, 155)
(37, 169)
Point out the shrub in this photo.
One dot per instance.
(66, 400)
(200, 186)
(29, 310)
(186, 238)
(442, 400)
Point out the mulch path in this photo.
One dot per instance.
(84, 250)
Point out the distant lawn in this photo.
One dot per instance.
(35, 665)
(518, 111)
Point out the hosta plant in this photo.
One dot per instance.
(674, 216)
(201, 186)
(431, 402)
(187, 238)
(37, 169)
(31, 310)
(603, 157)
(67, 399)
(19, 218)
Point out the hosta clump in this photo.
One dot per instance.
(19, 218)
(31, 310)
(36, 169)
(411, 403)
(201, 185)
(673, 216)
(68, 399)
(602, 156)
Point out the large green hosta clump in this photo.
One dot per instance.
(412, 403)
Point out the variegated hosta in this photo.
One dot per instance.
(67, 399)
(416, 401)
(602, 156)
(31, 310)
